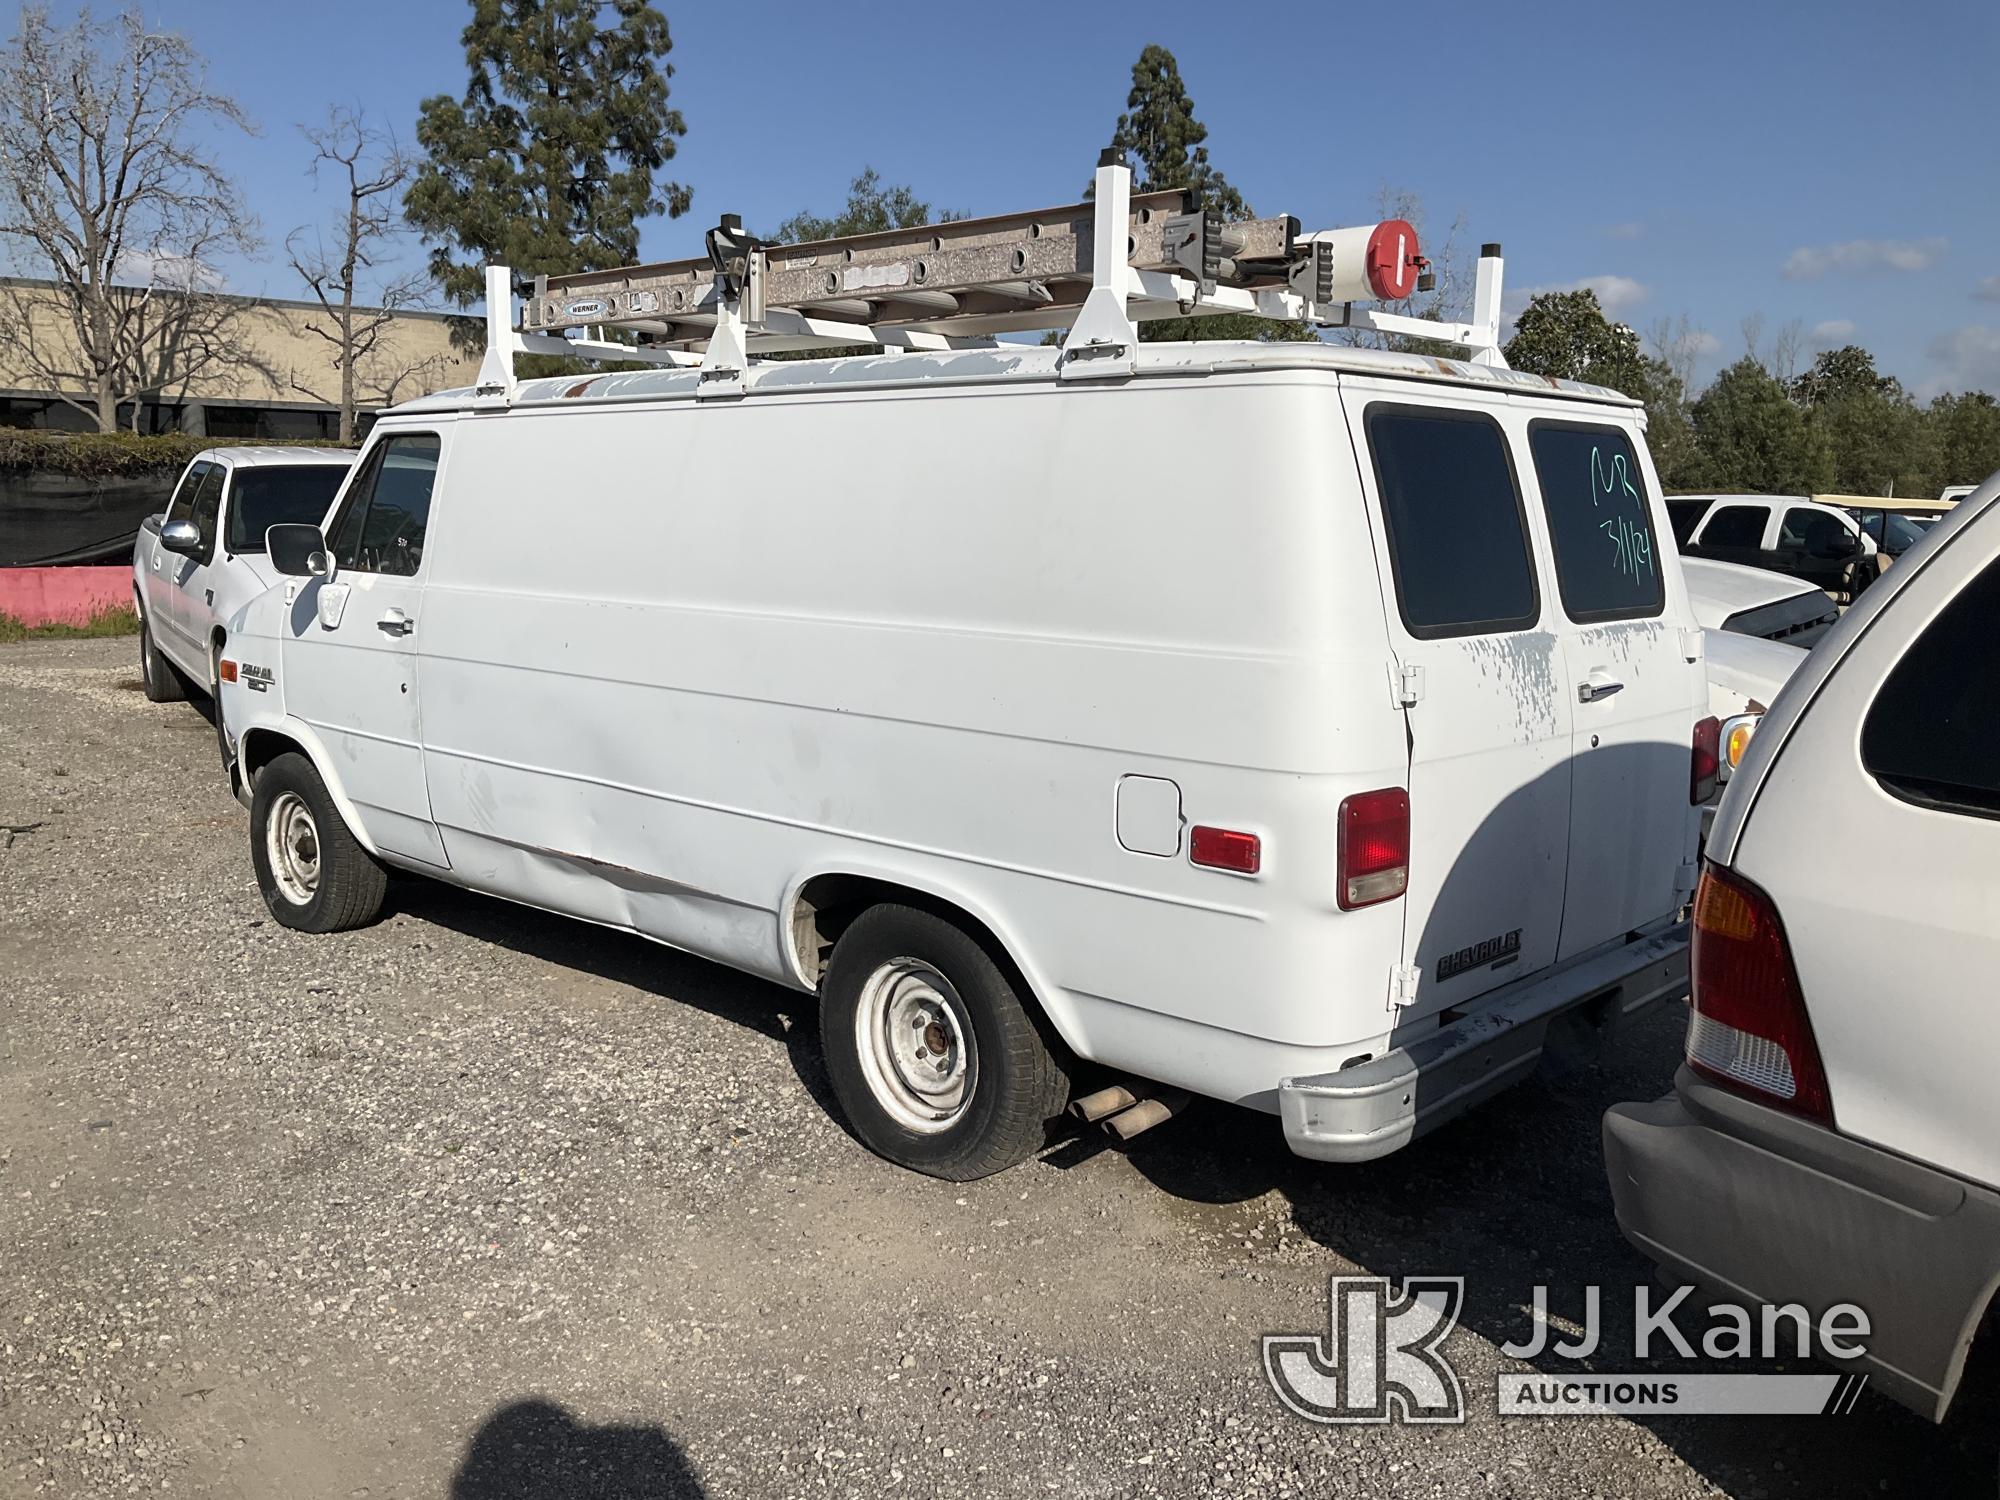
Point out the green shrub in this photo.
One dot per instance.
(95, 455)
(121, 619)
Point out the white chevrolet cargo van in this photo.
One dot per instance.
(1300, 726)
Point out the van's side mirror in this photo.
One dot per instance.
(183, 537)
(298, 551)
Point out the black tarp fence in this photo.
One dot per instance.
(52, 518)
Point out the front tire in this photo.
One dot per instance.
(932, 1053)
(161, 679)
(313, 872)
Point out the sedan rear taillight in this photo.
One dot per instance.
(1749, 1031)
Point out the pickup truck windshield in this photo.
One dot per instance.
(279, 495)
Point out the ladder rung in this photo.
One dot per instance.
(975, 268)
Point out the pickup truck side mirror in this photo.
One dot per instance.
(298, 551)
(183, 537)
(1838, 544)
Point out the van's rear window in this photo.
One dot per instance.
(1600, 521)
(1457, 541)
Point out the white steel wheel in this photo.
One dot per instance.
(292, 848)
(312, 872)
(914, 1039)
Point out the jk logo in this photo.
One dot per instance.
(1380, 1361)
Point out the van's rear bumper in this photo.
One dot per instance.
(1367, 1111)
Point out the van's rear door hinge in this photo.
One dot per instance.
(1403, 987)
(1406, 683)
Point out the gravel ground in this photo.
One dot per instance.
(486, 1203)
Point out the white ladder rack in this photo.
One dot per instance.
(1097, 269)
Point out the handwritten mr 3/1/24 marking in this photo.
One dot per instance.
(1631, 541)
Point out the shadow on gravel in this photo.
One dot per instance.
(1514, 1196)
(535, 1450)
(783, 1015)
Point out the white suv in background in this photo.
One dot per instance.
(1835, 1133)
(1791, 534)
(203, 559)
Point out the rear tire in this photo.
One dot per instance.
(935, 1060)
(160, 677)
(312, 871)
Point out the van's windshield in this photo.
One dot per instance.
(282, 494)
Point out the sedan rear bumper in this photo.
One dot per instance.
(1756, 1205)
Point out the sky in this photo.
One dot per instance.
(1832, 165)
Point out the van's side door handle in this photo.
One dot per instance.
(395, 622)
(1592, 692)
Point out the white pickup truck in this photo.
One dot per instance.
(197, 563)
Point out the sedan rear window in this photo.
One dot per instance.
(282, 494)
(1932, 735)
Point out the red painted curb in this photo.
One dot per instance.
(63, 596)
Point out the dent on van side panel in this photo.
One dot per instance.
(735, 659)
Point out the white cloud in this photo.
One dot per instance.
(1987, 290)
(1617, 295)
(1970, 357)
(1631, 229)
(174, 272)
(1701, 341)
(1809, 262)
(1830, 334)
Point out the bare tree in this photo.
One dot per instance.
(1678, 343)
(1753, 335)
(374, 170)
(101, 187)
(1785, 346)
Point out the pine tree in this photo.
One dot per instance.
(551, 159)
(1160, 138)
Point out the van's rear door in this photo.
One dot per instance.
(1483, 683)
(1638, 684)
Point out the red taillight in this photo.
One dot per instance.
(1374, 847)
(1225, 849)
(1749, 1030)
(1707, 762)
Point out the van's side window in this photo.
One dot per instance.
(381, 526)
(1458, 544)
(1736, 526)
(1932, 736)
(1600, 522)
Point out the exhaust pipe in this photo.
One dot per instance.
(1093, 1107)
(1146, 1114)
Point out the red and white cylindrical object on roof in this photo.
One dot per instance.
(1374, 262)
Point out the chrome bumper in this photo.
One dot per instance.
(1380, 1106)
